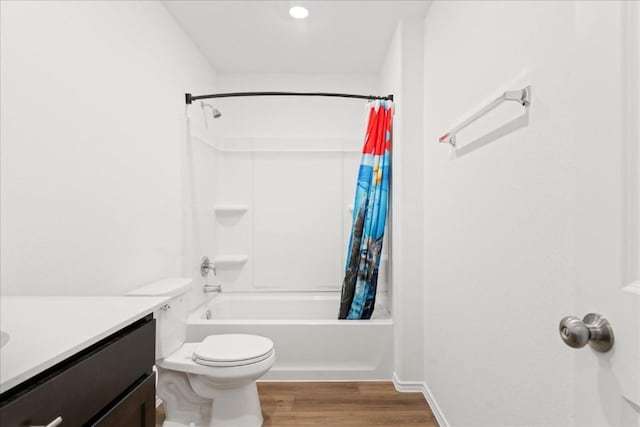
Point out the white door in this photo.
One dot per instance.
(607, 245)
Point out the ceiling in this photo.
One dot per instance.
(261, 37)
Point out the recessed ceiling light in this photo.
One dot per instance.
(298, 12)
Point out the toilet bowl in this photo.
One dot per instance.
(224, 369)
(209, 383)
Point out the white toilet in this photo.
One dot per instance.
(208, 383)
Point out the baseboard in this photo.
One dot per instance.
(437, 412)
(421, 387)
(407, 386)
(337, 374)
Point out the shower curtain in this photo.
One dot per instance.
(369, 216)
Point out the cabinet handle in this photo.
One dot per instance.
(55, 423)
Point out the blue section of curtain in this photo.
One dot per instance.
(369, 216)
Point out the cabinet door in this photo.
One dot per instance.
(135, 409)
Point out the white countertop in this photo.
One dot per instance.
(46, 330)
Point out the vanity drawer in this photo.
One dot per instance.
(137, 408)
(87, 383)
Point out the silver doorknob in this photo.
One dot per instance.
(593, 329)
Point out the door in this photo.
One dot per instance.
(607, 246)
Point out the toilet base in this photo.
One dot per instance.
(231, 406)
(239, 407)
(183, 407)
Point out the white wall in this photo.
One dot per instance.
(91, 111)
(295, 172)
(498, 228)
(402, 75)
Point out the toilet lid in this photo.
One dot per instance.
(232, 350)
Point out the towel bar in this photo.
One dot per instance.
(523, 96)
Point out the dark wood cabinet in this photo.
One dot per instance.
(110, 383)
(135, 409)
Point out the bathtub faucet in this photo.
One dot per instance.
(212, 288)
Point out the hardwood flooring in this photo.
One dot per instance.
(352, 404)
(340, 404)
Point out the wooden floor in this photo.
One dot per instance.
(352, 404)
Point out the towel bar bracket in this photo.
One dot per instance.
(523, 96)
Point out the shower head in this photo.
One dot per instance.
(214, 111)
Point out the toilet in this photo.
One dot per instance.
(208, 383)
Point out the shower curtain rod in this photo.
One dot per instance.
(190, 98)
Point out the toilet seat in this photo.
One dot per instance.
(182, 361)
(228, 350)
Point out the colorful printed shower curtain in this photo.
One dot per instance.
(369, 216)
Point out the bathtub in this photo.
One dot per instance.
(310, 343)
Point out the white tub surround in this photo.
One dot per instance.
(312, 344)
(43, 331)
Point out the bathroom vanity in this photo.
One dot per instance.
(74, 361)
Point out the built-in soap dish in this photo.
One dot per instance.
(230, 209)
(230, 261)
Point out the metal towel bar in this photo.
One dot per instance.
(523, 96)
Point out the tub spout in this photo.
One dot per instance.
(212, 288)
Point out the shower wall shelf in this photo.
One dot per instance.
(522, 96)
(230, 209)
(230, 260)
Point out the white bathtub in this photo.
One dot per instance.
(311, 344)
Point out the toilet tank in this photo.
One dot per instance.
(171, 319)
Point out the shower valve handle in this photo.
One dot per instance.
(206, 265)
